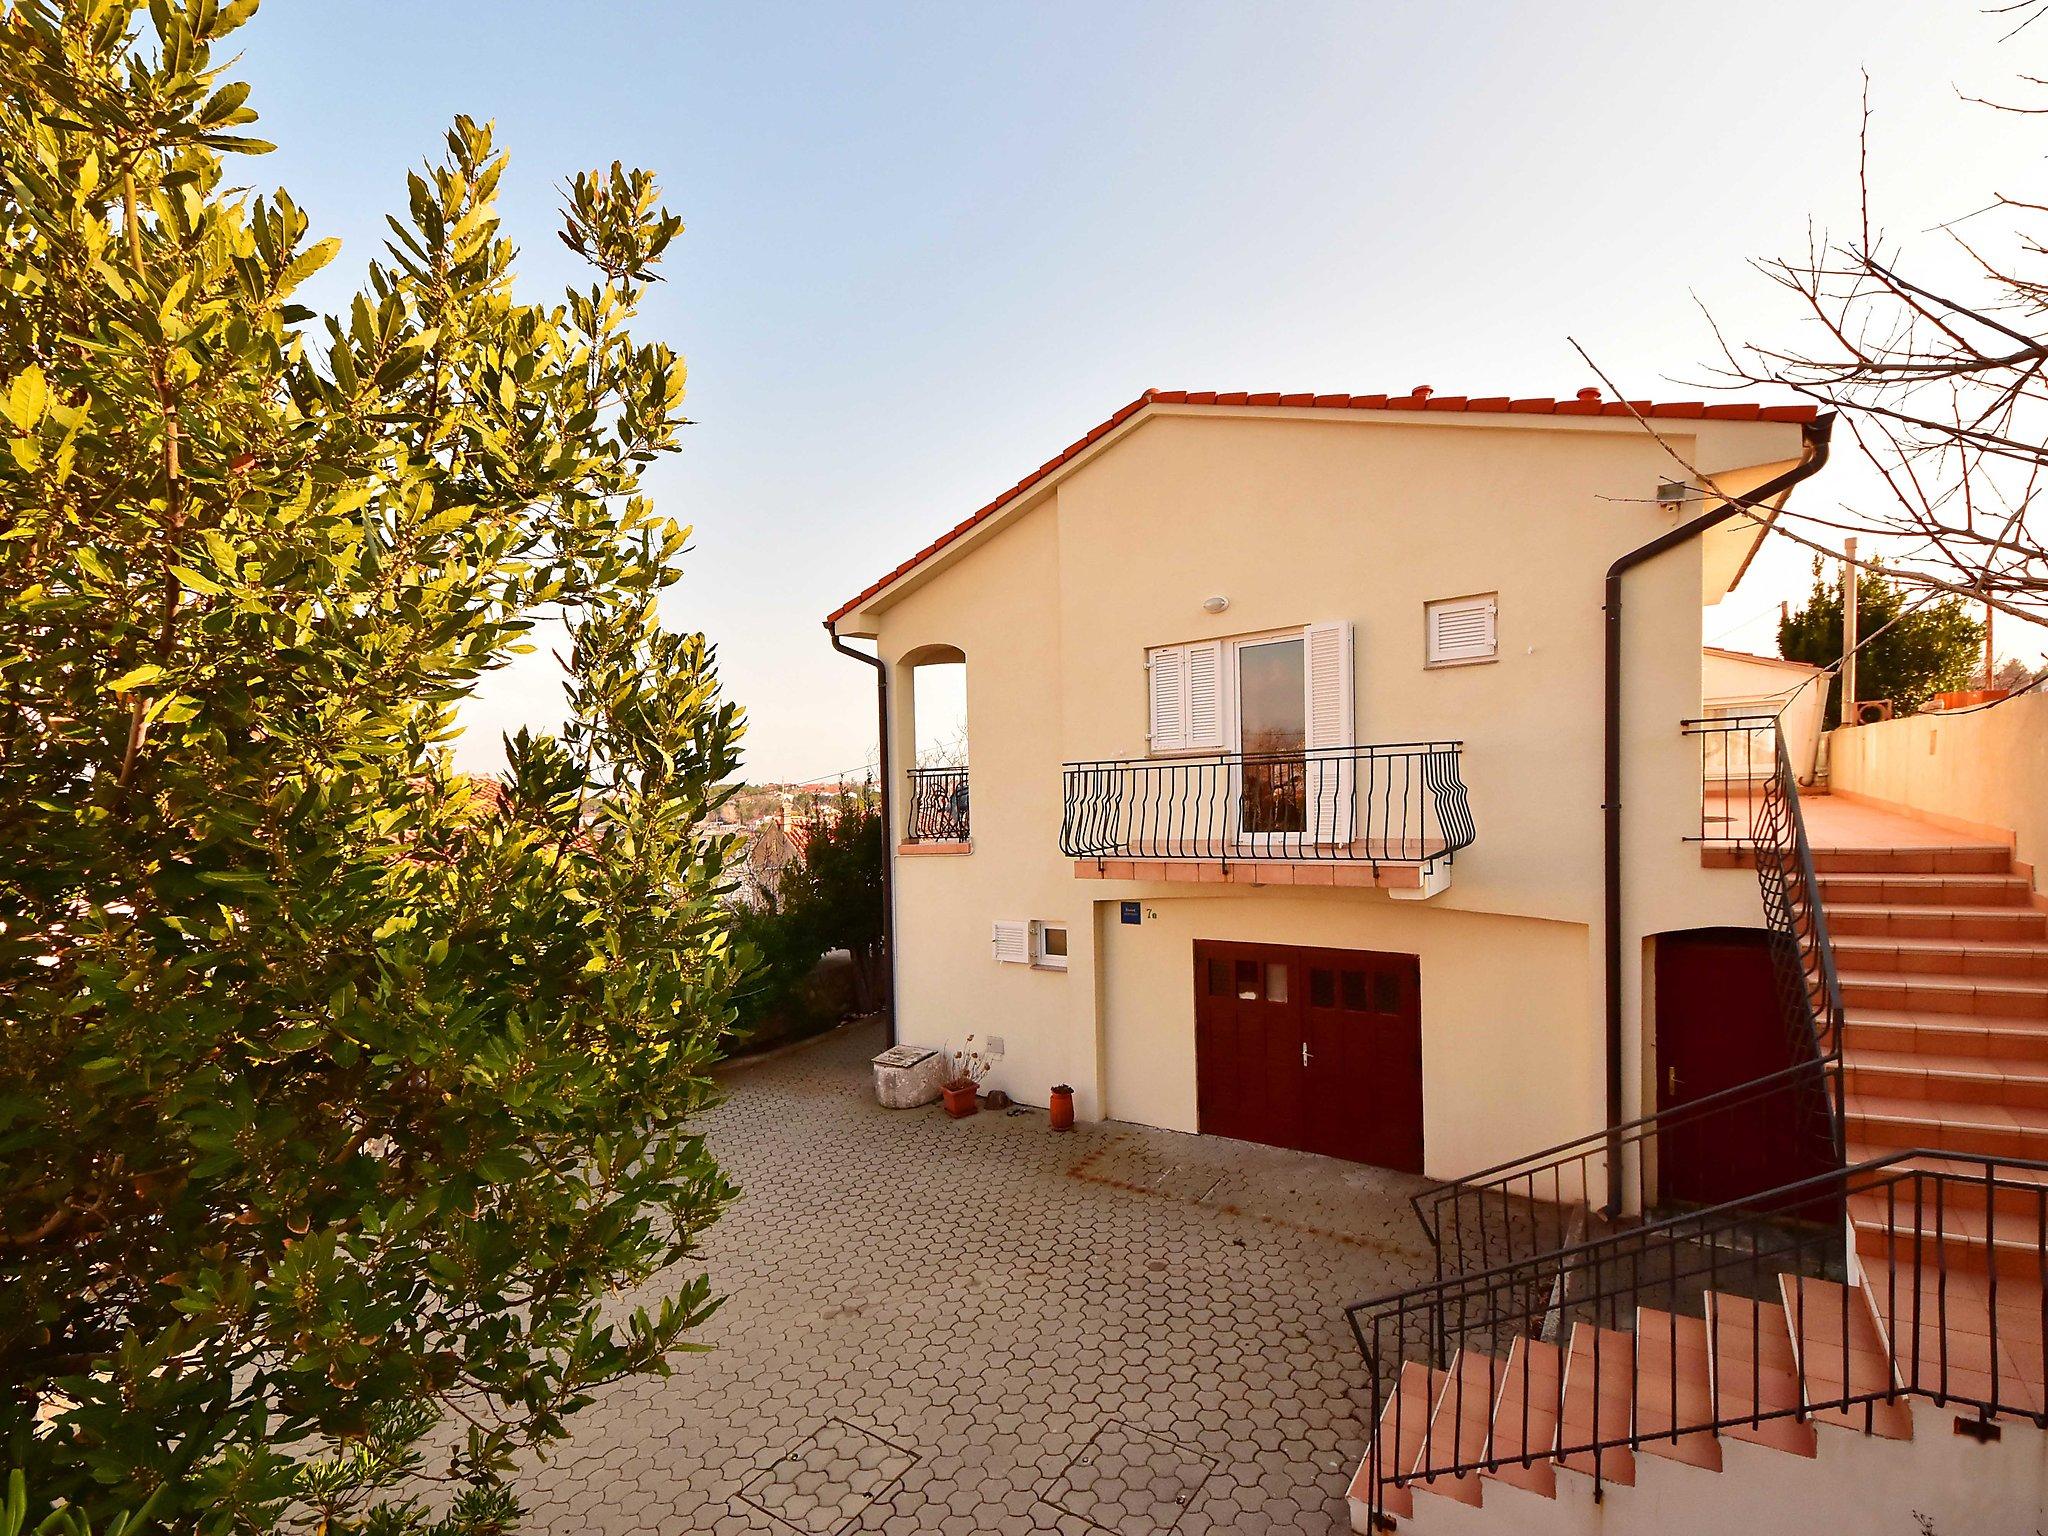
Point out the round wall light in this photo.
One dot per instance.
(1215, 604)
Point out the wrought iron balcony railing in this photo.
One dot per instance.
(938, 805)
(1399, 803)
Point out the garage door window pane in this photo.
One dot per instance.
(1248, 980)
(1322, 988)
(1276, 981)
(1354, 991)
(1219, 978)
(1386, 993)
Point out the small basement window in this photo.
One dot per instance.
(1461, 630)
(1049, 946)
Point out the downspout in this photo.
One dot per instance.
(888, 816)
(1813, 456)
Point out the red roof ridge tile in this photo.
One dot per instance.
(1586, 402)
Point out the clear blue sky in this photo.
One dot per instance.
(930, 244)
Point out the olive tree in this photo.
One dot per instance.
(338, 1092)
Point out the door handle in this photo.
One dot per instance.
(1671, 1082)
(1304, 1053)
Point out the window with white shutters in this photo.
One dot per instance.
(1185, 683)
(1461, 630)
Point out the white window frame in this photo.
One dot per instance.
(1488, 602)
(1329, 721)
(1229, 736)
(1041, 959)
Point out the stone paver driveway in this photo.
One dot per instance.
(979, 1326)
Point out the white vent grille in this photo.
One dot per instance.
(1013, 943)
(1461, 629)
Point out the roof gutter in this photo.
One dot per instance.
(888, 815)
(1813, 456)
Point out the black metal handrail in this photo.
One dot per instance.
(1533, 1205)
(1802, 949)
(1394, 803)
(1516, 1208)
(1925, 1218)
(938, 805)
(1738, 755)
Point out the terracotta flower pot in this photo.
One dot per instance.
(959, 1099)
(1063, 1108)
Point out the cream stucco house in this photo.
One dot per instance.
(1347, 773)
(1289, 729)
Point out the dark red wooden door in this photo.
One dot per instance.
(1248, 1044)
(1364, 1056)
(1319, 1049)
(1720, 1025)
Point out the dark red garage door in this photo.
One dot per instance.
(1319, 1049)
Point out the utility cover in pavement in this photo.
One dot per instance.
(1131, 1482)
(823, 1483)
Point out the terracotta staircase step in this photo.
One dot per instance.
(1841, 1353)
(1972, 958)
(2019, 1191)
(1959, 859)
(1946, 1125)
(1404, 1420)
(1941, 1335)
(1599, 1389)
(2000, 924)
(2020, 997)
(1525, 1417)
(1946, 1233)
(1460, 1427)
(1756, 1372)
(1674, 1389)
(1878, 889)
(1923, 1074)
(1946, 1033)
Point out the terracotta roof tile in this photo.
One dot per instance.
(1421, 398)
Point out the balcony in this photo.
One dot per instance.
(938, 811)
(1390, 816)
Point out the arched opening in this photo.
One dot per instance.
(935, 728)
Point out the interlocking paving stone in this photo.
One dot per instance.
(953, 1289)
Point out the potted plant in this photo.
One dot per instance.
(1062, 1107)
(960, 1089)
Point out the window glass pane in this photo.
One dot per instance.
(1054, 940)
(1272, 717)
(1354, 991)
(1276, 981)
(1272, 697)
(1386, 993)
(1322, 988)
(1248, 980)
(1219, 978)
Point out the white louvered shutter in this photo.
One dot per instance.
(1167, 678)
(1332, 776)
(1462, 629)
(1204, 668)
(1013, 943)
